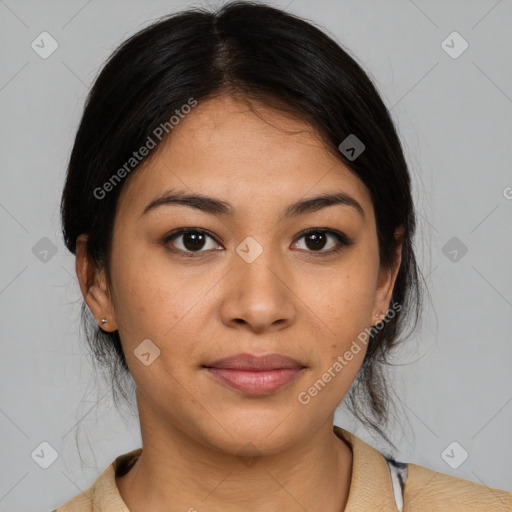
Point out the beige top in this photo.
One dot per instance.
(371, 487)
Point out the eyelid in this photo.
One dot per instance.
(182, 231)
(342, 239)
(338, 234)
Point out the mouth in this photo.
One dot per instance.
(254, 375)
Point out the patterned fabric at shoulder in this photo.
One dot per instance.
(398, 473)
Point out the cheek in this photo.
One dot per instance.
(344, 303)
(350, 296)
(339, 350)
(344, 298)
(158, 301)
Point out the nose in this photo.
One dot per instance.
(258, 296)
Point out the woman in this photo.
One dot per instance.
(241, 214)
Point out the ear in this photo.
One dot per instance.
(386, 282)
(93, 285)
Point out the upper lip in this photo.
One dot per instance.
(249, 362)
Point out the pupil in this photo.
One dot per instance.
(193, 241)
(317, 239)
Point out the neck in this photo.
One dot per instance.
(177, 472)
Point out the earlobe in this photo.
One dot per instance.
(94, 287)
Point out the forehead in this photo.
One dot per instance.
(229, 149)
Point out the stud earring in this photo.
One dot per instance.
(380, 316)
(103, 320)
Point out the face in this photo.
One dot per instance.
(246, 273)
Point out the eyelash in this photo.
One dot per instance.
(342, 239)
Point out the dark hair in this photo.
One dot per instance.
(257, 52)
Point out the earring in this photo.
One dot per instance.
(380, 316)
(103, 320)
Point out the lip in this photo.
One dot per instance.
(255, 375)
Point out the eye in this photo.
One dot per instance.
(190, 241)
(317, 239)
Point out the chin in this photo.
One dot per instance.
(257, 435)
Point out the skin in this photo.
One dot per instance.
(291, 300)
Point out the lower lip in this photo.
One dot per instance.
(256, 382)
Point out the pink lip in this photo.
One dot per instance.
(256, 375)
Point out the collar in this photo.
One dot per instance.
(370, 485)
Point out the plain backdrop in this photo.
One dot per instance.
(453, 114)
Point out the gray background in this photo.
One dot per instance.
(454, 117)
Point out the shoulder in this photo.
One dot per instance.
(426, 489)
(103, 495)
(83, 502)
(88, 500)
(379, 482)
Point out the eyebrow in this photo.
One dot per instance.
(215, 206)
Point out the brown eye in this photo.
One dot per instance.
(316, 240)
(191, 241)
